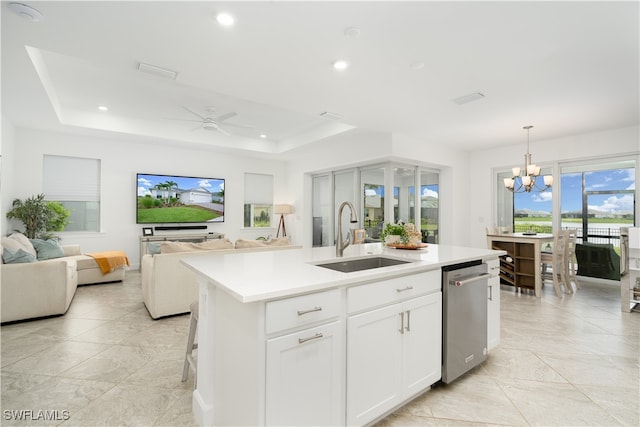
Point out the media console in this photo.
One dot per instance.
(177, 237)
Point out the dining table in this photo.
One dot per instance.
(521, 267)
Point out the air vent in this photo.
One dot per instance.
(157, 71)
(468, 98)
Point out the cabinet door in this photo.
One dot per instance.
(305, 377)
(422, 343)
(374, 363)
(493, 307)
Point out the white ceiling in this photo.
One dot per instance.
(565, 67)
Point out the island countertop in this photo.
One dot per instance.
(261, 276)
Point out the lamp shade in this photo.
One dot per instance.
(283, 209)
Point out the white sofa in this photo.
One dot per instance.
(168, 287)
(37, 289)
(88, 270)
(45, 287)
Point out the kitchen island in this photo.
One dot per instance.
(284, 341)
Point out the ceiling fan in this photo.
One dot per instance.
(213, 123)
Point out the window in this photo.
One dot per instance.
(533, 211)
(366, 187)
(258, 200)
(372, 182)
(429, 205)
(597, 199)
(404, 181)
(75, 183)
(344, 191)
(321, 210)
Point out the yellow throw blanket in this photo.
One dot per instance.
(110, 260)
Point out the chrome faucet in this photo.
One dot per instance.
(342, 244)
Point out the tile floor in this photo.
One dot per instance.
(562, 362)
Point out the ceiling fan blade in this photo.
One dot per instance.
(238, 125)
(225, 116)
(222, 131)
(184, 120)
(194, 113)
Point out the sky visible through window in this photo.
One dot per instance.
(613, 204)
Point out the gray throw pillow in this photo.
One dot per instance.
(16, 257)
(47, 249)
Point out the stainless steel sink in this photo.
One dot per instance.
(360, 264)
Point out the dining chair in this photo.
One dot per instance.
(491, 230)
(556, 259)
(505, 229)
(571, 264)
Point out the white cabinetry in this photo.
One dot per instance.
(493, 304)
(304, 369)
(304, 377)
(393, 351)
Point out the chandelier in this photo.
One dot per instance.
(530, 174)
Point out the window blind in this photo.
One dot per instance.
(71, 178)
(258, 189)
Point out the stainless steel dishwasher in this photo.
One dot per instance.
(464, 318)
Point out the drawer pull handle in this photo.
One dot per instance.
(314, 309)
(407, 288)
(315, 337)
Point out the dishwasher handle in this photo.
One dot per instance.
(473, 279)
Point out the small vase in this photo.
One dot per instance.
(392, 239)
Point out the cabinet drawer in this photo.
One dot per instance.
(389, 291)
(298, 311)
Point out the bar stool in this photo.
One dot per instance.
(557, 261)
(189, 363)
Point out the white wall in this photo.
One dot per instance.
(6, 173)
(121, 159)
(345, 150)
(466, 187)
(623, 141)
(454, 183)
(359, 148)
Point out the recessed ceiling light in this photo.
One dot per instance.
(263, 135)
(103, 108)
(26, 11)
(340, 64)
(225, 19)
(352, 32)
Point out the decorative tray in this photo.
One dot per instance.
(403, 246)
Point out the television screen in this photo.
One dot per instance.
(168, 199)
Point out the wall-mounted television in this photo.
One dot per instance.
(171, 199)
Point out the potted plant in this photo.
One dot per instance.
(40, 217)
(394, 233)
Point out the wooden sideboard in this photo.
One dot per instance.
(521, 266)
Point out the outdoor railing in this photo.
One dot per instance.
(594, 235)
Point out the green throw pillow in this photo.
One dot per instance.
(47, 249)
(153, 248)
(18, 256)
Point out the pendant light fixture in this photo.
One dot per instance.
(526, 182)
